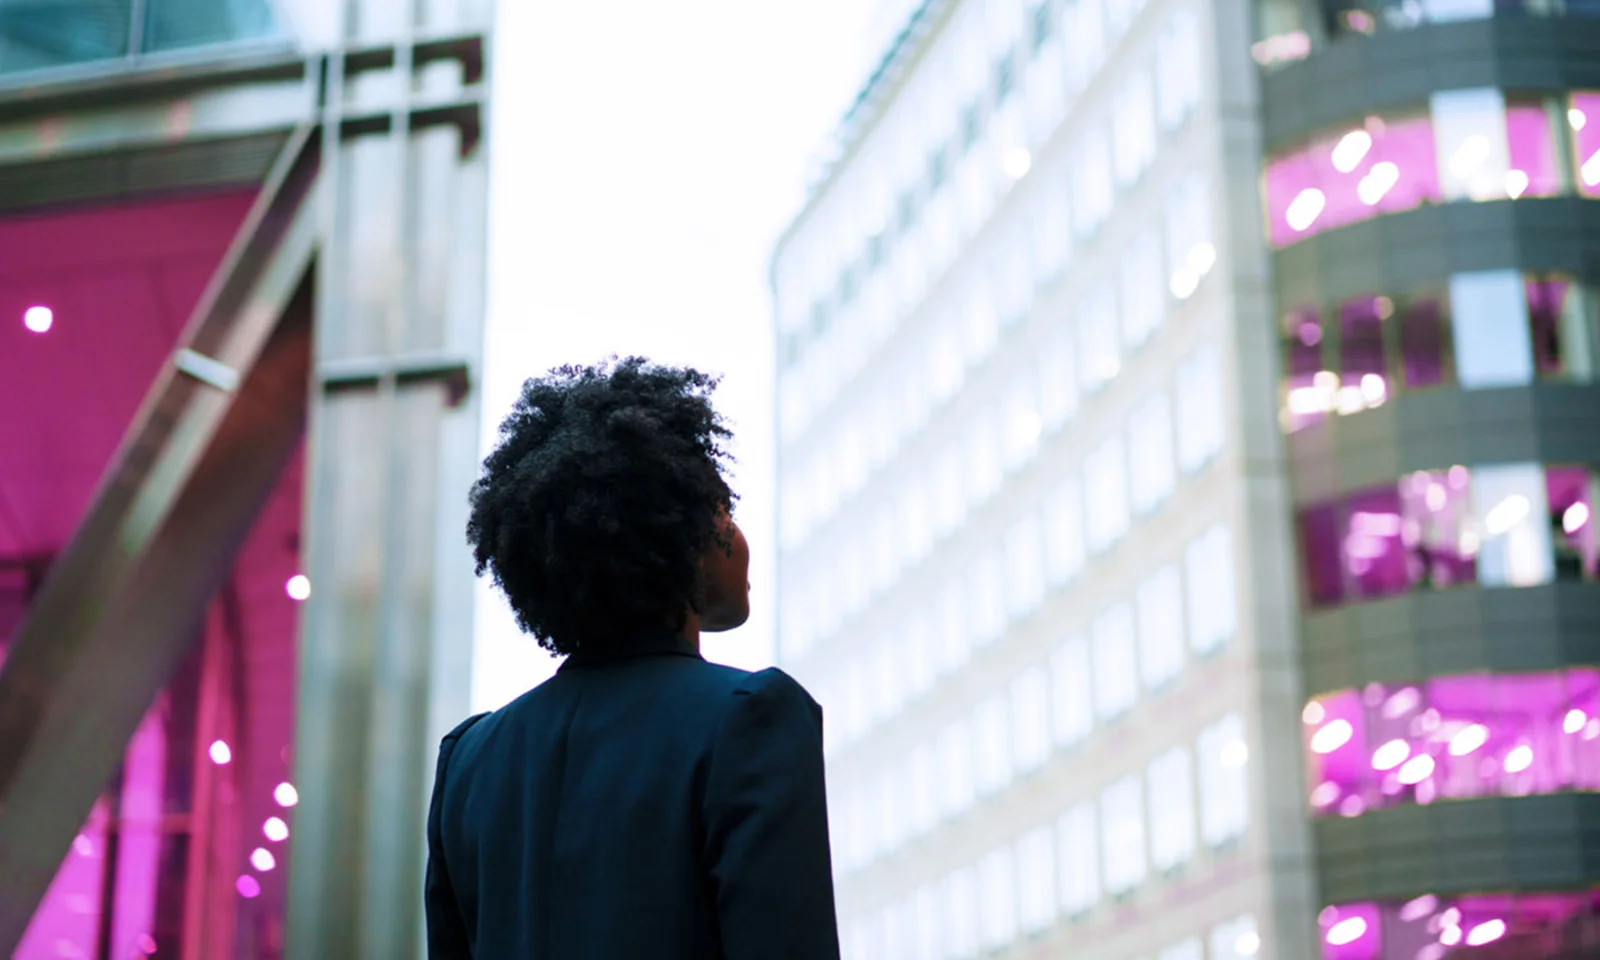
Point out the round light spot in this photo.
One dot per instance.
(38, 319)
(286, 795)
(298, 588)
(249, 887)
(1347, 931)
(221, 753)
(262, 859)
(275, 829)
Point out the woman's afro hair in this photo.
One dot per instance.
(593, 512)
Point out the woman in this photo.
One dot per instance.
(642, 803)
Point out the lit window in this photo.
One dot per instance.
(1182, 950)
(1161, 637)
(899, 930)
(1519, 926)
(1143, 303)
(997, 892)
(1461, 737)
(1563, 318)
(1584, 119)
(1201, 418)
(1105, 474)
(949, 494)
(1064, 535)
(986, 610)
(993, 754)
(1469, 129)
(1223, 757)
(1036, 907)
(1191, 247)
(1058, 380)
(1178, 70)
(946, 366)
(1072, 693)
(853, 716)
(922, 654)
(885, 817)
(914, 521)
(1133, 127)
(1092, 187)
(1119, 14)
(983, 458)
(1030, 719)
(961, 913)
(1490, 327)
(1022, 423)
(924, 809)
(1511, 506)
(1384, 166)
(955, 768)
(1152, 470)
(1172, 829)
(1078, 854)
(929, 933)
(1084, 27)
(1122, 841)
(1212, 603)
(1237, 939)
(1116, 674)
(954, 635)
(887, 693)
(980, 327)
(1024, 572)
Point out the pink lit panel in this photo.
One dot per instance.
(1584, 116)
(1501, 927)
(1453, 738)
(1381, 167)
(1532, 152)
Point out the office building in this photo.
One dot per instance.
(236, 421)
(1186, 456)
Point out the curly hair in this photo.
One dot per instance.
(603, 494)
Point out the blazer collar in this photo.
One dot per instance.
(663, 643)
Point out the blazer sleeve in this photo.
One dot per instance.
(767, 825)
(447, 931)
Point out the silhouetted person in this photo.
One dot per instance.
(642, 803)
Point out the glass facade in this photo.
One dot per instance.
(1509, 926)
(38, 35)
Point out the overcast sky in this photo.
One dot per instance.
(644, 158)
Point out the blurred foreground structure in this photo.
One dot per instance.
(1188, 446)
(241, 273)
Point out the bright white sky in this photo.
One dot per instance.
(644, 158)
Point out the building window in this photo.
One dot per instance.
(1092, 194)
(1191, 248)
(993, 754)
(1064, 535)
(924, 809)
(1178, 69)
(1005, 78)
(1236, 939)
(1161, 636)
(1172, 830)
(1122, 841)
(954, 636)
(1022, 422)
(1583, 116)
(961, 912)
(1133, 127)
(986, 609)
(1212, 601)
(1143, 304)
(1042, 27)
(1024, 573)
(983, 466)
(1182, 950)
(1461, 737)
(1098, 355)
(1030, 719)
(1490, 327)
(949, 497)
(929, 929)
(1153, 470)
(1084, 28)
(1201, 419)
(955, 769)
(1072, 693)
(1105, 474)
(1078, 854)
(1051, 233)
(1058, 380)
(1116, 673)
(1223, 757)
(1507, 525)
(997, 893)
(1500, 924)
(1036, 907)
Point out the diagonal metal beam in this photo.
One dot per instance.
(121, 605)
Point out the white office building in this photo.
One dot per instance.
(1035, 555)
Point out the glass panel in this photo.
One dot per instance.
(35, 35)
(1438, 529)
(1151, 449)
(1424, 341)
(1116, 675)
(1036, 869)
(1504, 927)
(1458, 737)
(1509, 502)
(1078, 841)
(1384, 166)
(1469, 128)
(1535, 165)
(1572, 493)
(173, 24)
(1172, 821)
(1161, 634)
(1072, 693)
(997, 899)
(1030, 719)
(1106, 485)
(1374, 551)
(1584, 117)
(1561, 314)
(1489, 320)
(1098, 355)
(1222, 757)
(1308, 385)
(1362, 365)
(1320, 554)
(1122, 835)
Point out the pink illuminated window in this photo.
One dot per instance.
(1584, 118)
(1507, 927)
(1453, 738)
(1535, 169)
(1306, 379)
(1383, 166)
(1572, 497)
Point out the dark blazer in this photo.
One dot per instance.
(639, 805)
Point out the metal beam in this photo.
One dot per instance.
(122, 604)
